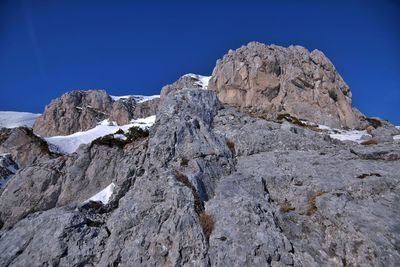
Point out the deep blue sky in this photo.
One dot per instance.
(132, 47)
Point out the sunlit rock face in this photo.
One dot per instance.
(203, 183)
(81, 110)
(269, 80)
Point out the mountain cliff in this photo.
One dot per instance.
(226, 175)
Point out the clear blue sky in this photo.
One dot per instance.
(132, 47)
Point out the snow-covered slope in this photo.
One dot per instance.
(70, 143)
(138, 98)
(12, 119)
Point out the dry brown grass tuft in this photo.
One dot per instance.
(286, 206)
(374, 122)
(231, 146)
(207, 223)
(312, 205)
(182, 178)
(370, 142)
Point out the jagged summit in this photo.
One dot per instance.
(270, 80)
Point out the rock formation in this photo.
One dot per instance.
(82, 110)
(7, 169)
(272, 80)
(24, 146)
(210, 186)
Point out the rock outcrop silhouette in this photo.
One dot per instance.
(212, 185)
(270, 80)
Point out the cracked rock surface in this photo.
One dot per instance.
(210, 186)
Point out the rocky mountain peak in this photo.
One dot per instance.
(270, 80)
(81, 110)
(232, 176)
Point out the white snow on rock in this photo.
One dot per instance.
(12, 119)
(104, 195)
(70, 143)
(138, 98)
(354, 135)
(342, 135)
(202, 80)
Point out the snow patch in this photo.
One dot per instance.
(69, 144)
(120, 137)
(342, 135)
(12, 119)
(355, 136)
(104, 195)
(202, 80)
(138, 98)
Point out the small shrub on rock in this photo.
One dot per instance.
(110, 141)
(286, 206)
(135, 133)
(231, 146)
(182, 178)
(207, 223)
(312, 203)
(374, 122)
(370, 142)
(184, 162)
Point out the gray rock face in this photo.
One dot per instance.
(184, 82)
(68, 180)
(82, 110)
(211, 186)
(24, 146)
(73, 112)
(146, 109)
(272, 80)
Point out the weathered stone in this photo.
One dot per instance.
(274, 193)
(68, 179)
(24, 146)
(82, 110)
(73, 112)
(272, 80)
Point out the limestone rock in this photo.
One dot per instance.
(272, 80)
(24, 146)
(73, 112)
(68, 179)
(274, 194)
(82, 110)
(187, 81)
(146, 109)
